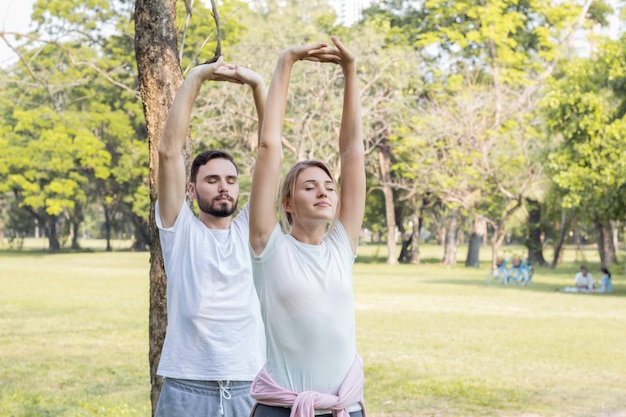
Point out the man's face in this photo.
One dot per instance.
(584, 271)
(216, 188)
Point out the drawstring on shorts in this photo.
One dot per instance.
(224, 394)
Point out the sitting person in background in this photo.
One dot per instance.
(583, 280)
(606, 285)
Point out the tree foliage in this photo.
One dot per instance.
(73, 119)
(449, 93)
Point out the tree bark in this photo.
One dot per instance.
(51, 231)
(558, 248)
(142, 233)
(477, 236)
(75, 230)
(384, 160)
(410, 252)
(606, 248)
(417, 218)
(496, 242)
(534, 242)
(107, 227)
(499, 231)
(449, 256)
(160, 77)
(578, 240)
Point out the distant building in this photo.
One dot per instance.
(350, 11)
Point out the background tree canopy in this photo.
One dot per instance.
(471, 110)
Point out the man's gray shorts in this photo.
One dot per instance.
(188, 398)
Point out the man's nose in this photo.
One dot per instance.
(223, 186)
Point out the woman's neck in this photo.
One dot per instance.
(309, 234)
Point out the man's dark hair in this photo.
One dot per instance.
(205, 157)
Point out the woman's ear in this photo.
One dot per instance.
(287, 206)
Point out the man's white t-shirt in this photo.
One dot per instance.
(214, 329)
(586, 280)
(307, 305)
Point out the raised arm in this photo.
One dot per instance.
(267, 168)
(259, 92)
(351, 149)
(171, 176)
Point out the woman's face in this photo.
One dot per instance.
(314, 198)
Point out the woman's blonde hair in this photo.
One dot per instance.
(288, 187)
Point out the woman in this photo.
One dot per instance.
(304, 278)
(606, 285)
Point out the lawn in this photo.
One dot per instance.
(436, 341)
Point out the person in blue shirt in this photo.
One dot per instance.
(606, 285)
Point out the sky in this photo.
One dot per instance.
(14, 17)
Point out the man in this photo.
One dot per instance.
(214, 344)
(583, 280)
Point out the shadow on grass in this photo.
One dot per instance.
(561, 279)
(378, 259)
(36, 251)
(13, 252)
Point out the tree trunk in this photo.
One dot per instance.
(558, 248)
(142, 234)
(107, 227)
(384, 159)
(417, 218)
(75, 230)
(51, 232)
(410, 243)
(438, 215)
(477, 236)
(405, 251)
(578, 240)
(534, 242)
(604, 236)
(160, 77)
(449, 256)
(496, 242)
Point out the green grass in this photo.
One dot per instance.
(436, 341)
(73, 331)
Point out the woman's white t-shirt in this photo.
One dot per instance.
(307, 305)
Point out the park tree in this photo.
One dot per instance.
(501, 51)
(483, 172)
(160, 76)
(585, 108)
(52, 152)
(77, 62)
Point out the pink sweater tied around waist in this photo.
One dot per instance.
(266, 391)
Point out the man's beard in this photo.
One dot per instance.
(217, 208)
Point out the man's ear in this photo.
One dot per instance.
(192, 189)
